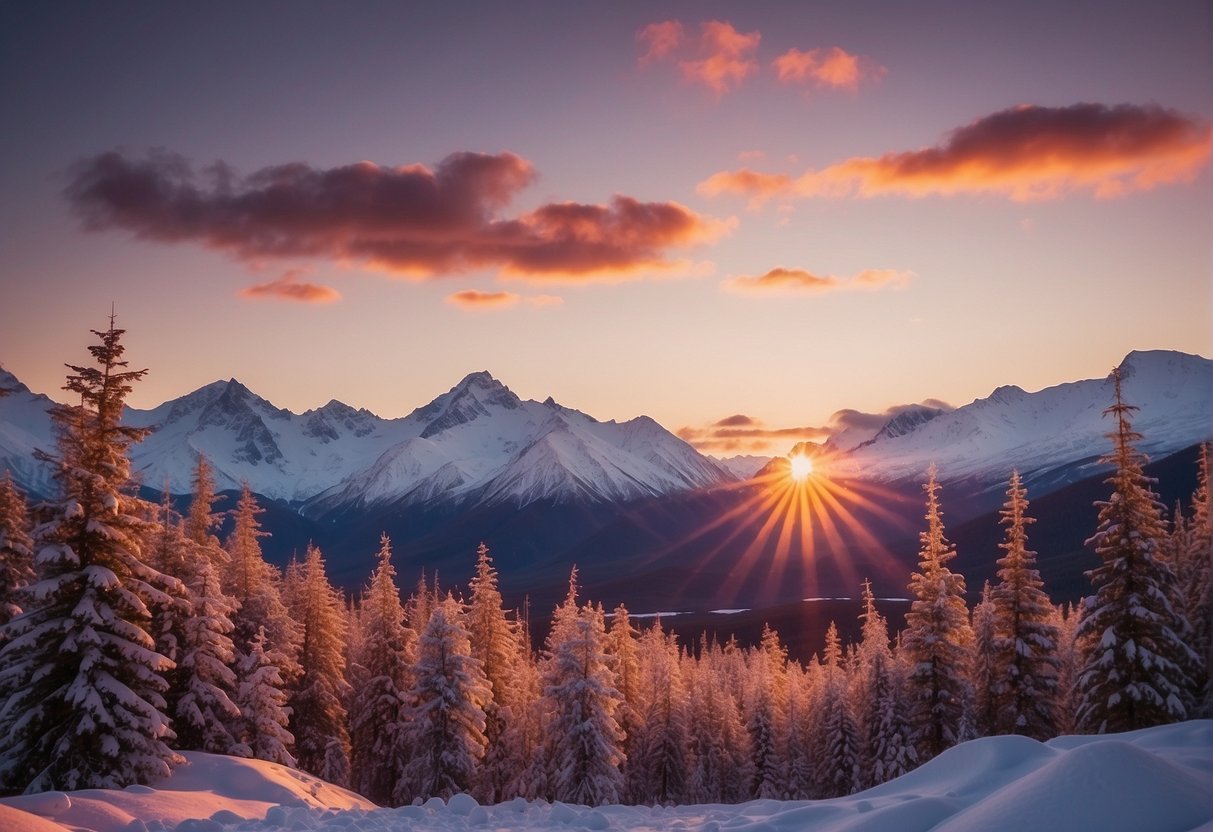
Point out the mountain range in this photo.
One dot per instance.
(641, 512)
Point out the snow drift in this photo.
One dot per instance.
(1154, 780)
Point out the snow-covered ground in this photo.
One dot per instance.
(1155, 780)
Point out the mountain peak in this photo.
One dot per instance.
(471, 398)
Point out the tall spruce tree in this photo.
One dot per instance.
(446, 732)
(937, 640)
(86, 686)
(583, 739)
(379, 705)
(1024, 682)
(318, 714)
(1135, 665)
(264, 714)
(16, 550)
(495, 644)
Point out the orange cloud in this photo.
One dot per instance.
(1024, 153)
(834, 68)
(473, 299)
(409, 220)
(746, 434)
(725, 57)
(784, 281)
(289, 287)
(659, 40)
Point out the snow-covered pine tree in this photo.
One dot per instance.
(85, 705)
(202, 685)
(718, 740)
(621, 646)
(256, 587)
(16, 550)
(1024, 681)
(1194, 570)
(883, 730)
(379, 703)
(984, 667)
(264, 715)
(260, 616)
(838, 772)
(937, 640)
(894, 753)
(446, 734)
(658, 772)
(524, 731)
(495, 644)
(1136, 668)
(1065, 619)
(765, 728)
(318, 715)
(583, 744)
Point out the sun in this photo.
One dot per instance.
(802, 467)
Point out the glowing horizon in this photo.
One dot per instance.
(770, 213)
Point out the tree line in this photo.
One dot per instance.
(130, 632)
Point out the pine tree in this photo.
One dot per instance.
(449, 695)
(659, 768)
(1194, 570)
(318, 715)
(838, 765)
(583, 740)
(264, 715)
(494, 644)
(16, 552)
(621, 646)
(203, 683)
(985, 666)
(937, 640)
(265, 639)
(256, 587)
(1135, 666)
(884, 731)
(765, 730)
(1023, 689)
(1065, 619)
(379, 703)
(86, 705)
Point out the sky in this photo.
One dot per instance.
(744, 220)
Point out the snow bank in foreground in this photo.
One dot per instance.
(207, 784)
(1156, 780)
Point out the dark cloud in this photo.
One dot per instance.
(410, 220)
(1027, 152)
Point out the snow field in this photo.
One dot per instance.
(1154, 780)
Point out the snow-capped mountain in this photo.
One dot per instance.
(481, 442)
(476, 442)
(1053, 436)
(25, 426)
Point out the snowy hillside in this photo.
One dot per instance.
(1053, 436)
(478, 441)
(1154, 780)
(481, 442)
(24, 427)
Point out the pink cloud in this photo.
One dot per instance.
(834, 68)
(785, 281)
(1024, 153)
(725, 57)
(289, 287)
(659, 40)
